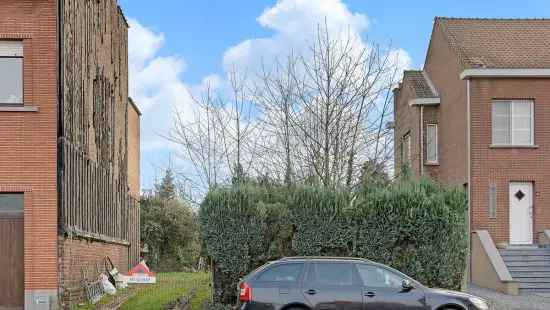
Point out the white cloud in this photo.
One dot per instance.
(155, 84)
(294, 23)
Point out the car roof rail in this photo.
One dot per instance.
(324, 258)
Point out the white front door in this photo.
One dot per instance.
(521, 213)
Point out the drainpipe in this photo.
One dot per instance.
(468, 160)
(421, 140)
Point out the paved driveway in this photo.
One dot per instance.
(501, 301)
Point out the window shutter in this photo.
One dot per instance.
(431, 143)
(501, 122)
(11, 48)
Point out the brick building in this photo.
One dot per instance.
(69, 149)
(477, 115)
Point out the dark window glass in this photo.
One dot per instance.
(340, 274)
(11, 203)
(11, 80)
(373, 276)
(282, 273)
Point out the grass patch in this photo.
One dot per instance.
(168, 288)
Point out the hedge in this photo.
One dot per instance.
(418, 227)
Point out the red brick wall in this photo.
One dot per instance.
(28, 139)
(502, 166)
(76, 254)
(443, 68)
(407, 120)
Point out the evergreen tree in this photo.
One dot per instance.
(166, 190)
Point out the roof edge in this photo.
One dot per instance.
(133, 104)
(517, 73)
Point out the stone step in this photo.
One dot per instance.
(528, 285)
(545, 268)
(530, 274)
(541, 252)
(527, 263)
(530, 291)
(532, 279)
(522, 258)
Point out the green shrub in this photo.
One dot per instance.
(417, 227)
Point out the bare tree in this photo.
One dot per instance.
(274, 94)
(319, 115)
(343, 91)
(199, 133)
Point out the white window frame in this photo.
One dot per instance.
(13, 49)
(436, 144)
(407, 144)
(513, 143)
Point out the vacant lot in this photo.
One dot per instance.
(168, 288)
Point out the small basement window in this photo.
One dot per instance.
(11, 72)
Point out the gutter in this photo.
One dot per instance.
(505, 73)
(425, 101)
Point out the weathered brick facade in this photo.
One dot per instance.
(80, 258)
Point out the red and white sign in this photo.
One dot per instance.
(141, 274)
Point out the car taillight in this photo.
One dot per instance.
(245, 294)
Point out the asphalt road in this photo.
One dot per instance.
(499, 301)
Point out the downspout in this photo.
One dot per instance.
(468, 161)
(421, 140)
(60, 118)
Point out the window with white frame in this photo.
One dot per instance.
(431, 144)
(513, 122)
(11, 72)
(406, 149)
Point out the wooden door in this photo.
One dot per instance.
(11, 252)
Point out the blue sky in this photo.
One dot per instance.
(190, 40)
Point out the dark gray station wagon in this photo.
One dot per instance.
(309, 283)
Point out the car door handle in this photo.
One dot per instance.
(370, 294)
(311, 292)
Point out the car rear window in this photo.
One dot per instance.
(282, 273)
(338, 274)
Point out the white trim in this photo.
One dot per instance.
(425, 101)
(527, 73)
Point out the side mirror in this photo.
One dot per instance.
(407, 285)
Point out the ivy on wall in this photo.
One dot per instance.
(418, 227)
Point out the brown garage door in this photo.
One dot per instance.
(11, 252)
